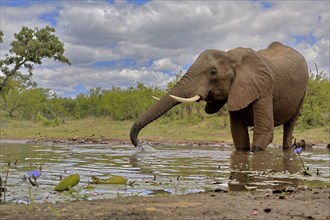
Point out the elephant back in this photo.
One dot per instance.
(291, 78)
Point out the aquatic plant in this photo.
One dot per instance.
(298, 151)
(68, 182)
(112, 180)
(33, 175)
(76, 193)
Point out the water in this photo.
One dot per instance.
(160, 170)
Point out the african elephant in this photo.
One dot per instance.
(263, 89)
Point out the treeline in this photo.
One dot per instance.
(31, 103)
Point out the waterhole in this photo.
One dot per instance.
(159, 170)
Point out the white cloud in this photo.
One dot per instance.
(65, 79)
(164, 64)
(313, 54)
(171, 34)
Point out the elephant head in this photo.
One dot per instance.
(236, 77)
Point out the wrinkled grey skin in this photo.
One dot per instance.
(263, 89)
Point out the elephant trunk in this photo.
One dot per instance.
(157, 110)
(181, 89)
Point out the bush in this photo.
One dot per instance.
(48, 122)
(315, 111)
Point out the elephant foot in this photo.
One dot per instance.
(256, 149)
(287, 146)
(243, 149)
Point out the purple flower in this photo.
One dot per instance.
(297, 150)
(34, 174)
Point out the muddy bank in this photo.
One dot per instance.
(290, 204)
(118, 141)
(153, 142)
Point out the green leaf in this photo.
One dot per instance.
(111, 180)
(117, 180)
(68, 182)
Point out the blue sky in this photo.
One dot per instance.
(119, 43)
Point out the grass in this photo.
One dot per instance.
(165, 129)
(90, 127)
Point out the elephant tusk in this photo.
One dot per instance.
(192, 99)
(156, 98)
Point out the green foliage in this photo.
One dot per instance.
(116, 103)
(31, 103)
(22, 101)
(316, 107)
(47, 122)
(29, 48)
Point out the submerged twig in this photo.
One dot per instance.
(5, 183)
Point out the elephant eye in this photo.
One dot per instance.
(213, 72)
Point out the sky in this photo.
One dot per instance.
(117, 43)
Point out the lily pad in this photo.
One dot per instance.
(111, 180)
(68, 182)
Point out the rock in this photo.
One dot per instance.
(302, 143)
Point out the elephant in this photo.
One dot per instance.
(263, 89)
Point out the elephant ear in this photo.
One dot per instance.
(253, 79)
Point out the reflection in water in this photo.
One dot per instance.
(290, 162)
(163, 170)
(256, 170)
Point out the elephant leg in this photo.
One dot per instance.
(287, 134)
(239, 131)
(263, 120)
(289, 127)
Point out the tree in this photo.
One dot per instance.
(28, 49)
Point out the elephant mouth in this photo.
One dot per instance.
(210, 96)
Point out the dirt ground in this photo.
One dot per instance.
(295, 204)
(301, 203)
